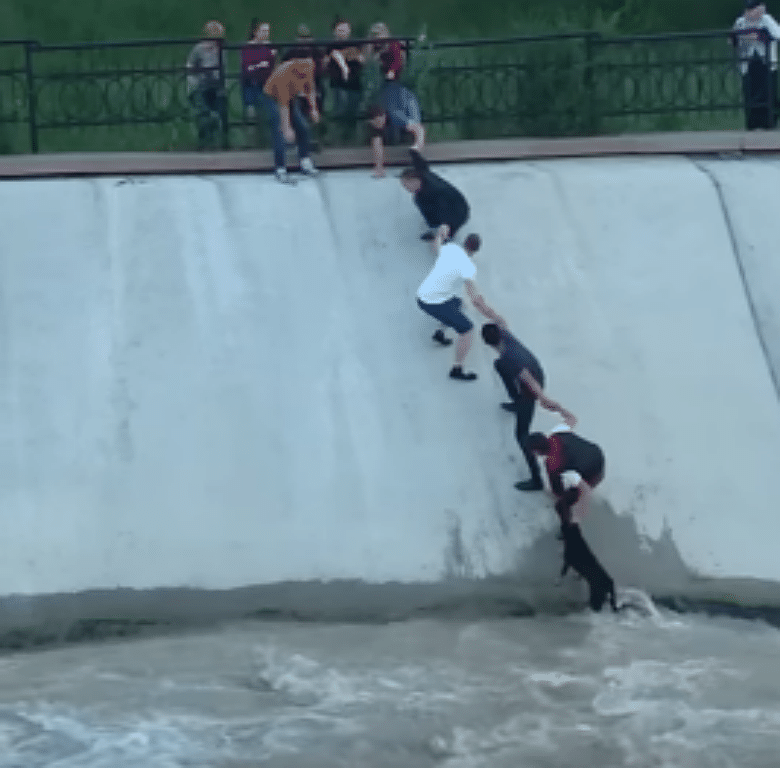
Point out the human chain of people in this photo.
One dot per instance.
(290, 92)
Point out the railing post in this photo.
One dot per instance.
(589, 82)
(771, 83)
(225, 106)
(31, 98)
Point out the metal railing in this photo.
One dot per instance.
(133, 95)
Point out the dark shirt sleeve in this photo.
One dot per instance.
(419, 162)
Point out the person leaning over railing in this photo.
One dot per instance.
(257, 63)
(755, 39)
(397, 109)
(205, 86)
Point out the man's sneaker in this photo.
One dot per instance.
(428, 236)
(511, 407)
(530, 485)
(457, 373)
(307, 167)
(441, 338)
(283, 177)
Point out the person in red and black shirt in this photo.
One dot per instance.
(258, 58)
(566, 452)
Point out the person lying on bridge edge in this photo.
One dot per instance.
(439, 201)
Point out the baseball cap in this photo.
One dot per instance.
(753, 4)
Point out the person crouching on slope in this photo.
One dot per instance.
(572, 458)
(439, 201)
(439, 295)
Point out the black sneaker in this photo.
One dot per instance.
(511, 407)
(457, 373)
(428, 236)
(441, 338)
(530, 485)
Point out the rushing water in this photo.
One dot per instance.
(580, 690)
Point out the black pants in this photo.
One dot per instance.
(759, 88)
(525, 403)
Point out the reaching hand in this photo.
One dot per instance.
(569, 418)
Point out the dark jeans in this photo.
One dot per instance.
(525, 403)
(759, 89)
(346, 103)
(210, 107)
(298, 123)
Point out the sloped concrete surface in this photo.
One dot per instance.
(211, 382)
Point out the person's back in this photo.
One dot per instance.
(445, 280)
(516, 356)
(570, 452)
(289, 79)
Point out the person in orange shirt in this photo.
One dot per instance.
(289, 80)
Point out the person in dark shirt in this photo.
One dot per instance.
(345, 67)
(305, 49)
(439, 201)
(523, 378)
(565, 451)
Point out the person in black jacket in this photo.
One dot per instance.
(439, 202)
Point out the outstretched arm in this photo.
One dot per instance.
(527, 378)
(418, 161)
(579, 510)
(481, 305)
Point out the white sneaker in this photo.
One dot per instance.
(283, 177)
(307, 167)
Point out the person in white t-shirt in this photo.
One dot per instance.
(439, 295)
(755, 38)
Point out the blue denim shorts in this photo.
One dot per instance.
(449, 313)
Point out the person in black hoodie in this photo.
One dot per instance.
(438, 200)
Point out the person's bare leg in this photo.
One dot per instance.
(463, 346)
(378, 149)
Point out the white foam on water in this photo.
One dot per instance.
(596, 690)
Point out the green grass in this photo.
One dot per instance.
(539, 88)
(52, 21)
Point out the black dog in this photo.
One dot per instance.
(577, 555)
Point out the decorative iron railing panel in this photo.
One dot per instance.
(133, 95)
